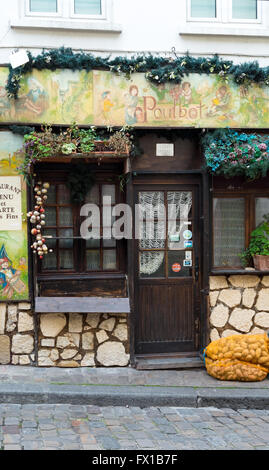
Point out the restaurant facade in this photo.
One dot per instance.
(154, 293)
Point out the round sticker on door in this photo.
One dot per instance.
(187, 234)
(176, 267)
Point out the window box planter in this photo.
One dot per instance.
(261, 262)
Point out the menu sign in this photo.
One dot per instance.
(10, 203)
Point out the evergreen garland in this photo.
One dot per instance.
(157, 69)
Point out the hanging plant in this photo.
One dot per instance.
(38, 146)
(231, 153)
(80, 181)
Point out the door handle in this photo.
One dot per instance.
(196, 269)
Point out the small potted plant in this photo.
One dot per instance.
(258, 249)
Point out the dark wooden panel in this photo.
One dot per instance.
(83, 288)
(187, 154)
(166, 317)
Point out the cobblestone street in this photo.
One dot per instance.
(73, 427)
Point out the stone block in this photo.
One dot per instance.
(24, 306)
(3, 309)
(22, 344)
(230, 297)
(51, 324)
(262, 319)
(228, 332)
(24, 360)
(93, 319)
(244, 280)
(68, 353)
(241, 319)
(25, 322)
(75, 322)
(108, 324)
(217, 282)
(214, 334)
(88, 360)
(213, 296)
(4, 349)
(121, 332)
(263, 300)
(248, 297)
(219, 316)
(265, 281)
(256, 331)
(68, 340)
(87, 341)
(101, 336)
(68, 364)
(48, 342)
(112, 353)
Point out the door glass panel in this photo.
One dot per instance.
(152, 264)
(92, 243)
(229, 230)
(152, 220)
(178, 265)
(65, 216)
(261, 209)
(109, 260)
(179, 205)
(66, 259)
(109, 243)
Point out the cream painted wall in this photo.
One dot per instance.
(146, 25)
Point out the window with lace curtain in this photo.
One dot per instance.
(234, 218)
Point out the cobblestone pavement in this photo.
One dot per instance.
(73, 427)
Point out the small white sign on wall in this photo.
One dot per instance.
(10, 203)
(165, 150)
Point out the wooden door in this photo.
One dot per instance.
(168, 267)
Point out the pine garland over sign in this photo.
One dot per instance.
(157, 69)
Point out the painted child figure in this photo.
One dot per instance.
(9, 278)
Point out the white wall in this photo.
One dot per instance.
(147, 25)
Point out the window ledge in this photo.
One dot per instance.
(230, 272)
(74, 25)
(115, 305)
(221, 30)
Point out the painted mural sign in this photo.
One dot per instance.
(13, 223)
(104, 98)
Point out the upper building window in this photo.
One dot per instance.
(223, 10)
(90, 15)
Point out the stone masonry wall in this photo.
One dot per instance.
(62, 340)
(238, 304)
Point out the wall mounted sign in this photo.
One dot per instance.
(103, 98)
(187, 234)
(188, 244)
(10, 203)
(176, 267)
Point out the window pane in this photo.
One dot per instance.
(245, 9)
(152, 264)
(93, 195)
(39, 6)
(108, 190)
(66, 242)
(88, 7)
(93, 260)
(109, 260)
(65, 216)
(261, 209)
(203, 8)
(50, 216)
(229, 230)
(66, 259)
(51, 195)
(49, 262)
(63, 194)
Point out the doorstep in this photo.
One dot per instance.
(168, 361)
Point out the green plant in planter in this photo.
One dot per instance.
(259, 243)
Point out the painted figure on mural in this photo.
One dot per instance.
(131, 102)
(9, 276)
(107, 105)
(4, 103)
(35, 101)
(221, 103)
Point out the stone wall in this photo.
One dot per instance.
(62, 340)
(238, 304)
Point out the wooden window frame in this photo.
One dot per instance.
(249, 195)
